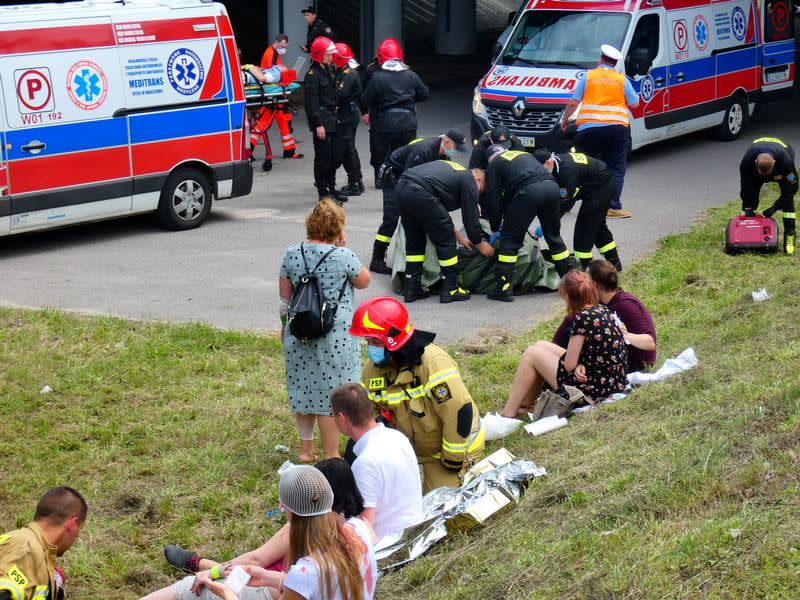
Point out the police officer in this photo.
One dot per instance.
(389, 100)
(518, 189)
(496, 135)
(587, 179)
(425, 196)
(770, 159)
(419, 386)
(27, 555)
(604, 119)
(348, 89)
(320, 104)
(418, 151)
(316, 28)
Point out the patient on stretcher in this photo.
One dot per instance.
(253, 75)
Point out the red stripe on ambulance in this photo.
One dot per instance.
(161, 157)
(50, 39)
(65, 170)
(213, 83)
(148, 32)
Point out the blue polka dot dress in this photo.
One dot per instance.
(316, 367)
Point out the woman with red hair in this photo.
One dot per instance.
(594, 361)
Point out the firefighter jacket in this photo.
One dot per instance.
(579, 176)
(348, 90)
(477, 159)
(318, 28)
(320, 97)
(27, 565)
(431, 406)
(506, 175)
(390, 98)
(453, 186)
(417, 152)
(783, 173)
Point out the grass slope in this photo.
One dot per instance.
(689, 488)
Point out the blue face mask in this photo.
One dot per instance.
(451, 153)
(377, 354)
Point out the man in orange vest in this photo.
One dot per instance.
(604, 120)
(272, 57)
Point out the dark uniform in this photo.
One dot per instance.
(425, 196)
(318, 28)
(348, 89)
(783, 173)
(320, 104)
(518, 189)
(390, 98)
(418, 151)
(477, 159)
(587, 179)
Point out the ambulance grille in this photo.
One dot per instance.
(533, 121)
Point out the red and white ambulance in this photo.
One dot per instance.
(697, 64)
(111, 109)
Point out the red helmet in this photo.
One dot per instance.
(343, 55)
(320, 47)
(389, 50)
(384, 318)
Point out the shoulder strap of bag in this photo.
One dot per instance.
(305, 263)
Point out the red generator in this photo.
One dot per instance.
(751, 234)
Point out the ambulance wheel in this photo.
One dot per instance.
(185, 200)
(734, 121)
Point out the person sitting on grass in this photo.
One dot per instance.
(595, 358)
(347, 502)
(637, 322)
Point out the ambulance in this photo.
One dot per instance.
(109, 109)
(696, 64)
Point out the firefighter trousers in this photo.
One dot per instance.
(434, 475)
(383, 143)
(423, 215)
(347, 152)
(540, 199)
(590, 227)
(325, 163)
(390, 214)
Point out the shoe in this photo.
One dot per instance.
(414, 290)
(292, 154)
(451, 290)
(266, 166)
(339, 197)
(181, 559)
(380, 266)
(504, 290)
(352, 189)
(618, 213)
(788, 243)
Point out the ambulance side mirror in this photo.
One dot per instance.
(511, 16)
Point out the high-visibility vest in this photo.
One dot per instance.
(604, 99)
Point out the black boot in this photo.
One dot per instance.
(378, 262)
(563, 266)
(451, 290)
(266, 166)
(584, 262)
(353, 188)
(503, 273)
(612, 256)
(335, 194)
(414, 289)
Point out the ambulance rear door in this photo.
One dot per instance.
(5, 199)
(778, 50)
(68, 148)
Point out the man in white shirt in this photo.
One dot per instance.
(385, 469)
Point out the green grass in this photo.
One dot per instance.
(687, 489)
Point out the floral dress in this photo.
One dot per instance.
(604, 354)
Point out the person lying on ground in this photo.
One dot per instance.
(272, 555)
(637, 322)
(595, 358)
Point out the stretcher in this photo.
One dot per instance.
(265, 100)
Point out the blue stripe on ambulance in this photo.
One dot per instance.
(197, 120)
(729, 62)
(236, 115)
(69, 137)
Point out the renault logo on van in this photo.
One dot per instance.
(518, 109)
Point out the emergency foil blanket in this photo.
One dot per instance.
(449, 510)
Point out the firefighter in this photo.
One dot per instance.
(27, 555)
(316, 28)
(496, 135)
(272, 57)
(389, 104)
(416, 384)
(519, 189)
(587, 179)
(320, 105)
(418, 151)
(425, 195)
(770, 159)
(348, 88)
(604, 119)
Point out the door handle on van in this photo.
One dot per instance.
(679, 76)
(34, 147)
(659, 81)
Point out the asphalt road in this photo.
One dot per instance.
(226, 272)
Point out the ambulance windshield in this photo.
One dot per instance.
(547, 38)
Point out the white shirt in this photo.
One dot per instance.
(303, 576)
(387, 476)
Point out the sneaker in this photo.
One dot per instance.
(182, 559)
(618, 213)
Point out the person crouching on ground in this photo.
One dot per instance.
(594, 361)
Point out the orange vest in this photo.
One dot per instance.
(270, 58)
(604, 98)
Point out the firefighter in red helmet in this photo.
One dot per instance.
(348, 90)
(420, 385)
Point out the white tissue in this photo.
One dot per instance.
(760, 295)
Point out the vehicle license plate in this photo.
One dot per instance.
(528, 142)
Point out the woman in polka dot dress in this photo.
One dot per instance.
(314, 368)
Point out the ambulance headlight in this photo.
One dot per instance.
(478, 109)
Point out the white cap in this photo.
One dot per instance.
(610, 52)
